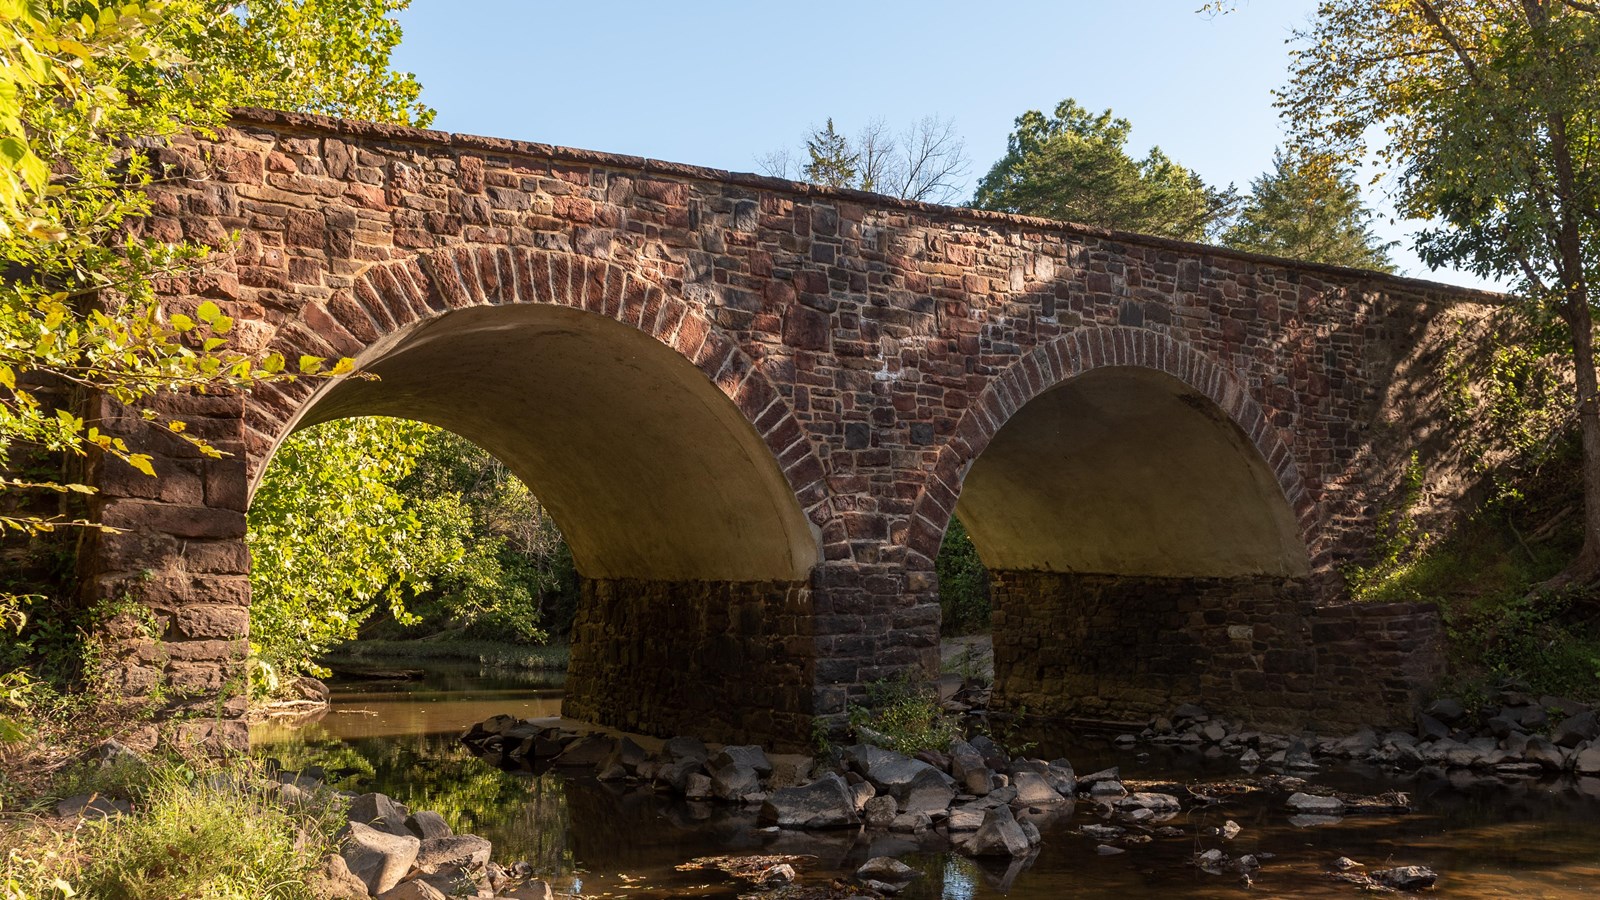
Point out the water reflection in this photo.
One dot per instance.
(1487, 837)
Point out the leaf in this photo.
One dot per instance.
(43, 229)
(222, 324)
(208, 312)
(343, 367)
(141, 461)
(310, 365)
(182, 323)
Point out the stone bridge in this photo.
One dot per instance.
(754, 406)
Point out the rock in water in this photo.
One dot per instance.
(1406, 878)
(1000, 835)
(1034, 790)
(378, 858)
(1316, 805)
(428, 824)
(735, 782)
(886, 870)
(466, 851)
(824, 803)
(748, 755)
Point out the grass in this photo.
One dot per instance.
(497, 654)
(204, 834)
(905, 718)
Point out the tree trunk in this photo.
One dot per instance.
(1584, 571)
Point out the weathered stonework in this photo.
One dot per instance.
(856, 355)
(1257, 648)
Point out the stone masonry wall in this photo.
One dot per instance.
(1259, 649)
(731, 662)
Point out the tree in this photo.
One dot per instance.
(926, 161)
(832, 162)
(1308, 209)
(1489, 116)
(85, 90)
(1074, 166)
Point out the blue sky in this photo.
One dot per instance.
(719, 83)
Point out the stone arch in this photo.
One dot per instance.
(399, 306)
(1079, 353)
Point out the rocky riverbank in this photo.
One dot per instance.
(971, 797)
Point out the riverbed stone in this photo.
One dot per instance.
(824, 803)
(743, 755)
(915, 785)
(626, 755)
(467, 851)
(879, 812)
(789, 770)
(697, 786)
(1406, 878)
(1546, 754)
(886, 870)
(1033, 789)
(586, 752)
(1574, 730)
(427, 824)
(999, 835)
(1155, 802)
(735, 782)
(379, 858)
(1586, 761)
(686, 748)
(333, 880)
(1315, 804)
(380, 812)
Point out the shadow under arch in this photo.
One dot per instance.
(1145, 532)
(650, 471)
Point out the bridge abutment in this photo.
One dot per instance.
(1255, 648)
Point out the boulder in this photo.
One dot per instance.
(911, 823)
(1447, 709)
(965, 758)
(674, 775)
(697, 786)
(428, 824)
(586, 752)
(824, 803)
(999, 835)
(1545, 754)
(380, 812)
(1111, 774)
(886, 870)
(1574, 730)
(1431, 729)
(735, 781)
(334, 881)
(1587, 760)
(747, 755)
(879, 812)
(965, 818)
(915, 785)
(464, 851)
(861, 792)
(1034, 789)
(379, 858)
(627, 756)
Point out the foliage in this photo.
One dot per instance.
(926, 161)
(1487, 113)
(1308, 209)
(963, 583)
(331, 536)
(905, 718)
(489, 653)
(1074, 166)
(1394, 548)
(193, 833)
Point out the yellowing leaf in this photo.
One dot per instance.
(310, 365)
(43, 230)
(141, 461)
(208, 312)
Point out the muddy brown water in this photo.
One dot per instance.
(1488, 838)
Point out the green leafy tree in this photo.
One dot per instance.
(1308, 209)
(1074, 166)
(1487, 112)
(832, 163)
(331, 537)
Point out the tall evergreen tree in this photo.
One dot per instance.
(1308, 208)
(832, 163)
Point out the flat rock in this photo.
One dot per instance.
(886, 870)
(1148, 800)
(1034, 789)
(379, 858)
(1406, 878)
(415, 889)
(586, 752)
(466, 851)
(1314, 804)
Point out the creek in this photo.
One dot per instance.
(1488, 837)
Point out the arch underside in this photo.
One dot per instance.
(1126, 470)
(648, 468)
